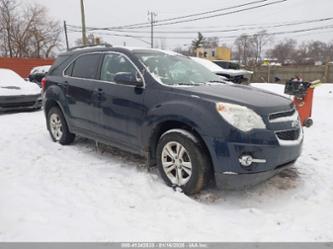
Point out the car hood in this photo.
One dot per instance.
(18, 89)
(233, 72)
(261, 101)
(11, 84)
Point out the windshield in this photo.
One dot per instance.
(174, 69)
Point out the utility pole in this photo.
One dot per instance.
(151, 17)
(83, 21)
(66, 35)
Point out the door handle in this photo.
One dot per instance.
(99, 93)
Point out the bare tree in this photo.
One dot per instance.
(329, 52)
(187, 51)
(27, 31)
(244, 47)
(7, 18)
(284, 50)
(259, 41)
(301, 54)
(317, 50)
(211, 42)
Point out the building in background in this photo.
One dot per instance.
(218, 53)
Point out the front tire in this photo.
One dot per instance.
(182, 161)
(58, 127)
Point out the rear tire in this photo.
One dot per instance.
(58, 127)
(182, 161)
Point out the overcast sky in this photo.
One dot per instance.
(106, 13)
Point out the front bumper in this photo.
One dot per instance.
(21, 102)
(272, 155)
(234, 181)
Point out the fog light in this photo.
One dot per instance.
(248, 160)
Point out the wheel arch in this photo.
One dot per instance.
(51, 102)
(167, 125)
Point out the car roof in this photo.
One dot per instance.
(41, 69)
(91, 49)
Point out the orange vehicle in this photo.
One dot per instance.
(303, 98)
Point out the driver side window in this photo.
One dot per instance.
(113, 64)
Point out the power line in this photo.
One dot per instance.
(168, 21)
(110, 33)
(196, 14)
(229, 30)
(117, 35)
(213, 16)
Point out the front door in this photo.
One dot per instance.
(122, 109)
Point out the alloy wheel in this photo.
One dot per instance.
(176, 163)
(56, 126)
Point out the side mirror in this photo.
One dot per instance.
(128, 79)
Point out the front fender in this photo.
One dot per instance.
(199, 116)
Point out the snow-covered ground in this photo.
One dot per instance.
(53, 193)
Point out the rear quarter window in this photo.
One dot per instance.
(86, 66)
(58, 65)
(69, 70)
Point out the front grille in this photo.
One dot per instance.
(274, 116)
(289, 135)
(17, 104)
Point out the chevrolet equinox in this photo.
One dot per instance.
(175, 112)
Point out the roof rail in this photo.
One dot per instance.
(106, 45)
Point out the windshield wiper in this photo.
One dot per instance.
(187, 84)
(217, 81)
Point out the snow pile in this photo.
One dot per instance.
(50, 192)
(11, 84)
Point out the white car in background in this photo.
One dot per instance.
(18, 94)
(38, 73)
(233, 75)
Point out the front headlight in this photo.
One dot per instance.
(240, 117)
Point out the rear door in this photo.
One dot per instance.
(80, 78)
(122, 109)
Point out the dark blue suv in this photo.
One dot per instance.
(173, 111)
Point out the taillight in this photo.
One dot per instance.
(43, 84)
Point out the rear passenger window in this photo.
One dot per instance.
(86, 66)
(116, 63)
